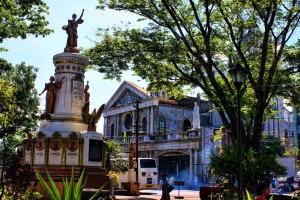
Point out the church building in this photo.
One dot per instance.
(177, 133)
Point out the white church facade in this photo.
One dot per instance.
(177, 133)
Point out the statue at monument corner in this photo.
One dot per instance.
(91, 119)
(86, 93)
(50, 95)
(71, 30)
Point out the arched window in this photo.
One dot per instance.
(162, 125)
(144, 124)
(186, 125)
(112, 130)
(128, 121)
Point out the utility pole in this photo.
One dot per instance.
(137, 139)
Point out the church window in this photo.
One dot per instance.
(112, 130)
(128, 121)
(144, 126)
(162, 125)
(186, 125)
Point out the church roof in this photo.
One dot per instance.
(168, 101)
(136, 86)
(128, 92)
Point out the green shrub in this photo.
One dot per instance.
(69, 192)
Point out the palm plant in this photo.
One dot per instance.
(69, 192)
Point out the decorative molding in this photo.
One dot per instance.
(56, 135)
(71, 61)
(73, 136)
(41, 135)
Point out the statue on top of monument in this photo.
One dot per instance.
(91, 119)
(50, 95)
(71, 30)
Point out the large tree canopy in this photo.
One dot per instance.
(19, 100)
(292, 59)
(23, 17)
(18, 107)
(195, 42)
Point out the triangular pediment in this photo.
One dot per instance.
(127, 93)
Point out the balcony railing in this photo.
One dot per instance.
(159, 137)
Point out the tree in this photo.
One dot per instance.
(21, 18)
(194, 43)
(114, 155)
(256, 166)
(292, 60)
(19, 100)
(18, 107)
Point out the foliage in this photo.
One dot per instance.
(18, 106)
(114, 155)
(19, 103)
(115, 178)
(256, 166)
(18, 179)
(194, 43)
(19, 100)
(69, 192)
(31, 195)
(292, 60)
(271, 146)
(21, 18)
(28, 195)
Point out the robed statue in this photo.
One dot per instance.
(91, 119)
(51, 88)
(71, 30)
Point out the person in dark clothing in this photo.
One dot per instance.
(164, 189)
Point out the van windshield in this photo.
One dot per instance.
(148, 163)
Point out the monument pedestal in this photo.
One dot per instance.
(63, 141)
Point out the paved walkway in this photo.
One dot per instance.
(156, 195)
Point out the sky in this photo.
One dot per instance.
(39, 51)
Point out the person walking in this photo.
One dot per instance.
(274, 183)
(164, 188)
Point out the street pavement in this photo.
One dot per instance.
(156, 195)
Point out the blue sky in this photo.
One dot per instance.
(39, 51)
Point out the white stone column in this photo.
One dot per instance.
(151, 119)
(117, 126)
(195, 162)
(69, 99)
(191, 165)
(105, 128)
(148, 120)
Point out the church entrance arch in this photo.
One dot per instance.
(176, 165)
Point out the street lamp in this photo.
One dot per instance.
(238, 74)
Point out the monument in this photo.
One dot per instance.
(69, 138)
